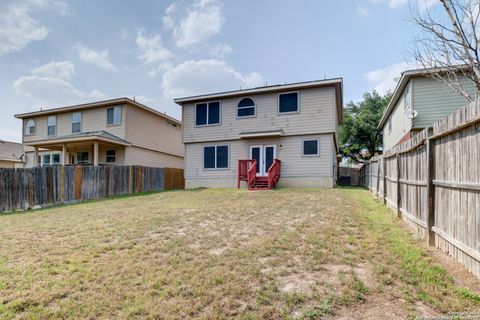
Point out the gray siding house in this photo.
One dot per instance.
(417, 103)
(295, 125)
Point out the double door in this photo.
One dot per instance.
(264, 154)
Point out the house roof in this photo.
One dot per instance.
(83, 136)
(402, 83)
(336, 82)
(97, 104)
(11, 151)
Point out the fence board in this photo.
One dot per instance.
(24, 188)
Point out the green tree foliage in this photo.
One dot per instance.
(359, 137)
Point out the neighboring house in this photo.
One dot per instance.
(417, 103)
(115, 132)
(11, 154)
(294, 123)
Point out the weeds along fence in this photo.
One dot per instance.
(433, 182)
(26, 188)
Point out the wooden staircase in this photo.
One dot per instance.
(247, 172)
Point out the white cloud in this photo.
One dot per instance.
(152, 48)
(361, 10)
(168, 19)
(220, 50)
(49, 86)
(62, 69)
(422, 4)
(385, 79)
(196, 77)
(18, 28)
(98, 58)
(204, 19)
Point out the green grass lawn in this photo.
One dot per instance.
(214, 254)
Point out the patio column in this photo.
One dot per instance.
(35, 157)
(64, 154)
(95, 153)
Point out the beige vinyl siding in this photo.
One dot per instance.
(316, 115)
(434, 100)
(150, 158)
(92, 120)
(151, 131)
(296, 170)
(400, 125)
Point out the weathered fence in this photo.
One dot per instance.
(433, 183)
(26, 188)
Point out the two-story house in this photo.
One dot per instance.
(114, 132)
(417, 103)
(295, 125)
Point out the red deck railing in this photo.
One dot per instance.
(274, 173)
(243, 168)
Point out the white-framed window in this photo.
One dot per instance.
(110, 156)
(82, 157)
(49, 159)
(55, 159)
(246, 108)
(288, 102)
(76, 122)
(30, 127)
(406, 97)
(207, 113)
(389, 126)
(114, 115)
(46, 160)
(215, 157)
(52, 125)
(311, 147)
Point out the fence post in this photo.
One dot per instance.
(384, 164)
(378, 177)
(62, 183)
(430, 190)
(130, 179)
(399, 203)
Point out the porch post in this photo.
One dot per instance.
(95, 153)
(35, 157)
(64, 154)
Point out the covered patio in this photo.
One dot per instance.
(94, 148)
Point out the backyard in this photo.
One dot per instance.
(212, 254)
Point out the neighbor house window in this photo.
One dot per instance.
(76, 122)
(114, 115)
(111, 155)
(46, 160)
(55, 159)
(246, 108)
(52, 125)
(207, 113)
(215, 157)
(288, 102)
(82, 157)
(406, 97)
(30, 127)
(310, 147)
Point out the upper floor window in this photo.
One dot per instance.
(288, 102)
(52, 125)
(406, 97)
(114, 115)
(30, 127)
(76, 122)
(246, 108)
(207, 113)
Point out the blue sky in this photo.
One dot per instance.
(60, 52)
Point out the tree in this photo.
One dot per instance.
(449, 43)
(359, 137)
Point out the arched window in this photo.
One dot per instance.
(246, 108)
(30, 127)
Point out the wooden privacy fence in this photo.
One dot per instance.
(350, 176)
(433, 183)
(26, 188)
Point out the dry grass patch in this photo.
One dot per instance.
(207, 254)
